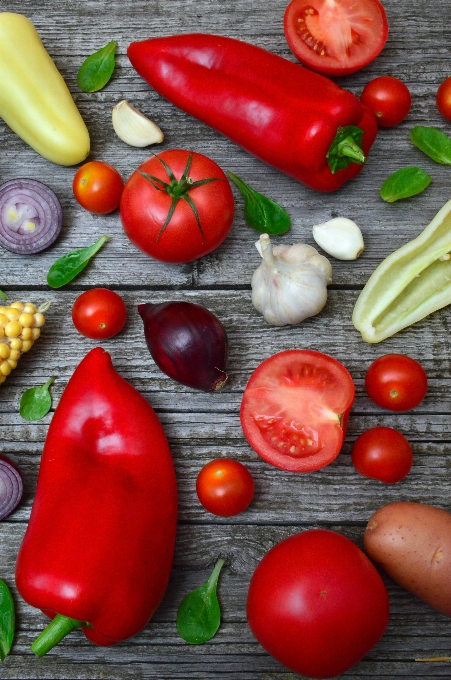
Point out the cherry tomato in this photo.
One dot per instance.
(317, 603)
(443, 98)
(382, 453)
(396, 382)
(182, 215)
(98, 187)
(99, 313)
(295, 409)
(388, 98)
(335, 37)
(225, 487)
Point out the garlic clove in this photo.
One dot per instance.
(133, 128)
(340, 238)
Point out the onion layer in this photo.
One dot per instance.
(11, 486)
(30, 216)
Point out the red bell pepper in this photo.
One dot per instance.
(297, 121)
(99, 545)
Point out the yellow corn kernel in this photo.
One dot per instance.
(29, 308)
(26, 319)
(12, 363)
(2, 378)
(13, 329)
(39, 319)
(4, 351)
(36, 332)
(27, 334)
(14, 355)
(12, 314)
(17, 305)
(5, 368)
(3, 320)
(27, 345)
(15, 343)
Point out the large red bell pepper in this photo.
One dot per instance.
(297, 121)
(99, 545)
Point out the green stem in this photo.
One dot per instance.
(349, 148)
(346, 148)
(212, 581)
(57, 629)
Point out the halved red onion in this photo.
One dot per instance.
(11, 486)
(30, 216)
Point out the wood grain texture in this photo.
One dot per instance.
(199, 426)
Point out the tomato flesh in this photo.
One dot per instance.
(382, 453)
(335, 37)
(396, 382)
(225, 487)
(295, 409)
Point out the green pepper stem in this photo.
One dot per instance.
(349, 148)
(57, 629)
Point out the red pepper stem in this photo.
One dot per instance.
(349, 148)
(57, 629)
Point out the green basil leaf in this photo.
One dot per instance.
(404, 183)
(7, 620)
(97, 69)
(68, 266)
(3, 295)
(434, 143)
(36, 402)
(261, 213)
(199, 614)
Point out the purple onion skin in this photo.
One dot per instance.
(187, 342)
(11, 486)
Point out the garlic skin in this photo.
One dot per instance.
(340, 238)
(291, 283)
(133, 128)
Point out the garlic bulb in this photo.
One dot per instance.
(290, 284)
(340, 238)
(133, 128)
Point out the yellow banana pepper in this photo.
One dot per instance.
(34, 99)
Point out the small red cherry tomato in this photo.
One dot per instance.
(98, 187)
(99, 313)
(388, 98)
(382, 453)
(396, 382)
(225, 487)
(443, 98)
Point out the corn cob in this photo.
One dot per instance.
(20, 326)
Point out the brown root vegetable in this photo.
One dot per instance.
(412, 542)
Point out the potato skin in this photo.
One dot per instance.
(412, 542)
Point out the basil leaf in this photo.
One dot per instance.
(3, 295)
(36, 402)
(7, 620)
(434, 143)
(97, 69)
(199, 614)
(261, 213)
(68, 266)
(404, 183)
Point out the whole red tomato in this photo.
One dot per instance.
(337, 37)
(382, 453)
(443, 98)
(225, 487)
(317, 603)
(388, 98)
(99, 313)
(98, 187)
(178, 206)
(295, 409)
(396, 382)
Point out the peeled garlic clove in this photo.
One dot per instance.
(340, 238)
(133, 128)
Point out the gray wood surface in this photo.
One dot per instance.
(200, 426)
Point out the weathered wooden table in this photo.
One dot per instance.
(202, 426)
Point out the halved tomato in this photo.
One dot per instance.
(295, 409)
(335, 37)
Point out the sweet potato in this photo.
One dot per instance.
(412, 542)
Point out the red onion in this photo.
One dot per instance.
(11, 486)
(30, 216)
(187, 342)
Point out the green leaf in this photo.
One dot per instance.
(260, 212)
(97, 69)
(36, 402)
(7, 620)
(68, 266)
(199, 614)
(3, 295)
(434, 143)
(404, 183)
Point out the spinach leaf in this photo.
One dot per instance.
(68, 266)
(97, 69)
(36, 402)
(7, 620)
(434, 143)
(3, 295)
(261, 213)
(404, 183)
(199, 614)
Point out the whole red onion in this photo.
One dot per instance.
(187, 342)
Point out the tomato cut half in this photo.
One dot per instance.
(295, 409)
(335, 37)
